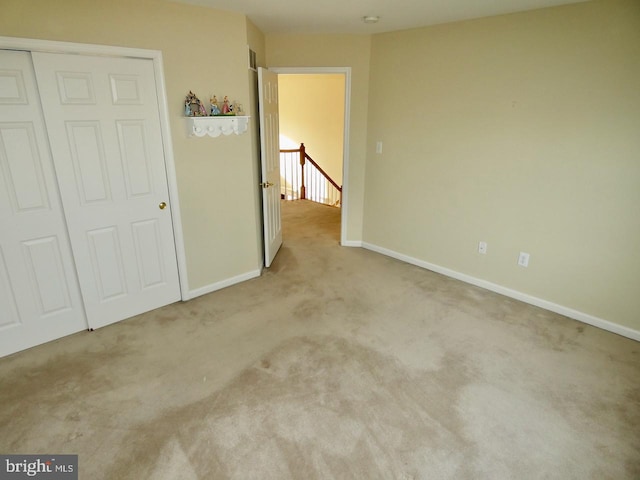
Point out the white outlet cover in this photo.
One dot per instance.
(523, 259)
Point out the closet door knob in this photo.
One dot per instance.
(162, 205)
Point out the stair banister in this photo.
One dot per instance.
(309, 188)
(303, 189)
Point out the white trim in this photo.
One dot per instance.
(172, 178)
(50, 46)
(523, 297)
(222, 284)
(346, 71)
(35, 45)
(351, 243)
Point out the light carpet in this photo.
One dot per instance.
(335, 363)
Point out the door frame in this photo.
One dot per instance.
(346, 71)
(50, 46)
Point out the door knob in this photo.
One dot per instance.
(266, 184)
(162, 205)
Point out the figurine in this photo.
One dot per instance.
(238, 108)
(225, 106)
(215, 109)
(193, 107)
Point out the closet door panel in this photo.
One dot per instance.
(103, 120)
(39, 294)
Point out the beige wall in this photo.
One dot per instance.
(312, 112)
(204, 50)
(336, 51)
(523, 131)
(519, 130)
(255, 40)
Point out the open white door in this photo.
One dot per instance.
(39, 295)
(270, 159)
(104, 130)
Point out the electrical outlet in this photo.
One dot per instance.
(379, 147)
(482, 247)
(523, 259)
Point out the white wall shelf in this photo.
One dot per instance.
(216, 126)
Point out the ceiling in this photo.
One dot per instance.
(345, 16)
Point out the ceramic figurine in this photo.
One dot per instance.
(238, 108)
(188, 101)
(215, 109)
(225, 106)
(196, 109)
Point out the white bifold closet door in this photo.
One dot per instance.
(104, 130)
(107, 189)
(39, 295)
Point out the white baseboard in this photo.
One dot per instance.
(351, 243)
(222, 284)
(523, 297)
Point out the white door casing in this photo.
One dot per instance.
(346, 71)
(39, 295)
(104, 130)
(270, 162)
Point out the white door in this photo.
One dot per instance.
(39, 295)
(270, 160)
(104, 129)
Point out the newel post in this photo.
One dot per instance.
(302, 160)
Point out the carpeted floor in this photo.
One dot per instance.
(336, 363)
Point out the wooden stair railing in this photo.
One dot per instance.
(302, 178)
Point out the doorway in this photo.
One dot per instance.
(318, 79)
